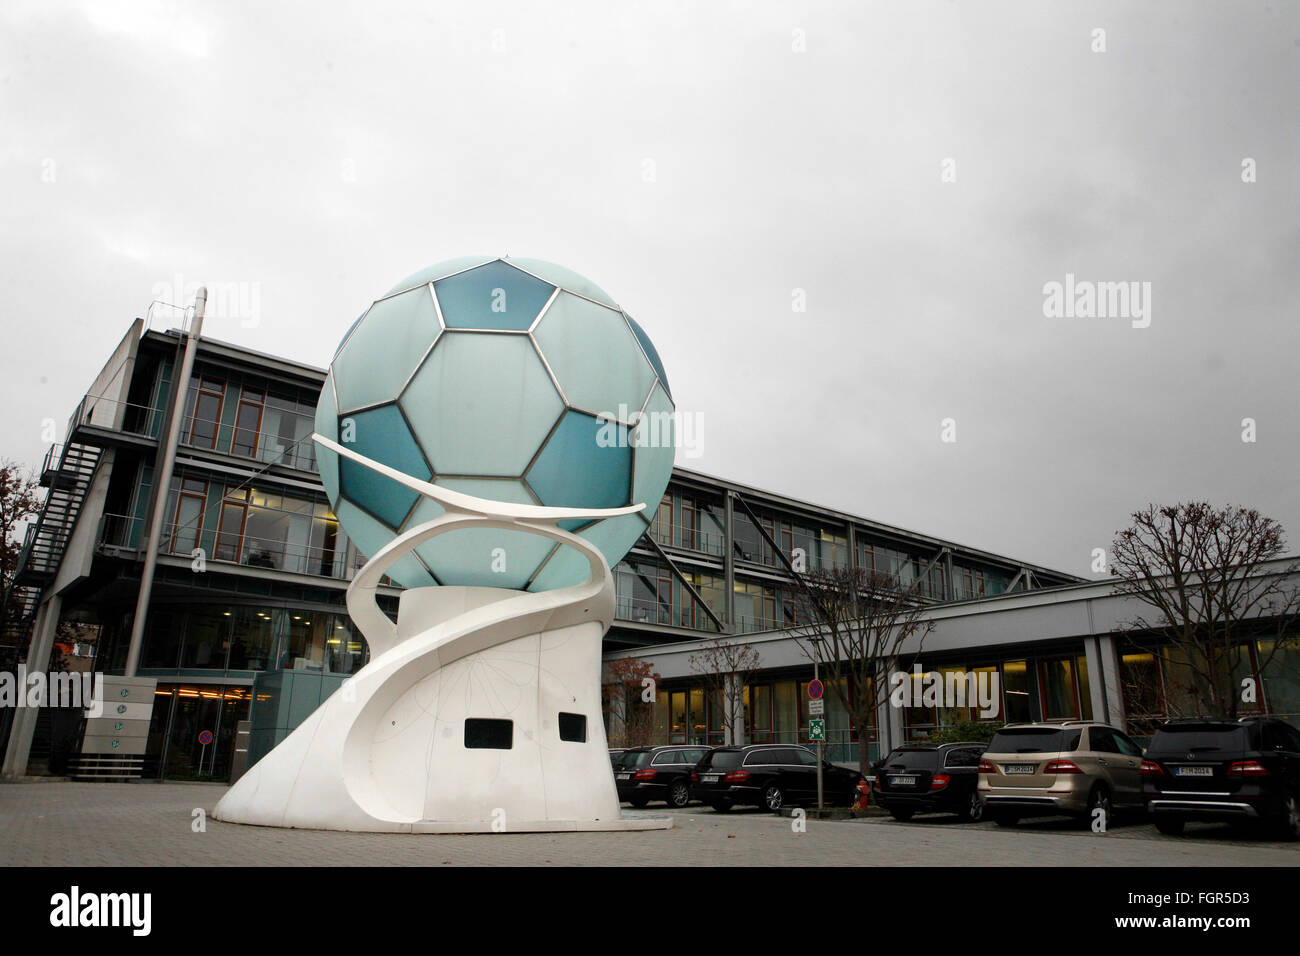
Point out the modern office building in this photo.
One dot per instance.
(246, 617)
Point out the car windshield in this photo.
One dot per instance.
(912, 760)
(1201, 738)
(722, 759)
(1033, 740)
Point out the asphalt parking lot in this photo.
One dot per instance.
(85, 824)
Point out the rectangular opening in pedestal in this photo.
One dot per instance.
(573, 728)
(485, 733)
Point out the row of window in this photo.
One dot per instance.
(250, 421)
(777, 711)
(255, 526)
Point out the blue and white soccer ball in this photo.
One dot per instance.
(509, 379)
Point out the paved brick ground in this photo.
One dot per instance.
(59, 823)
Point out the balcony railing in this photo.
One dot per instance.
(126, 531)
(642, 611)
(706, 542)
(206, 434)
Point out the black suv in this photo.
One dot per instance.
(931, 779)
(771, 776)
(643, 774)
(1205, 769)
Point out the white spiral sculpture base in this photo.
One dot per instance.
(387, 751)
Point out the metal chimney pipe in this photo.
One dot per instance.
(162, 482)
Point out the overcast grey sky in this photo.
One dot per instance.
(701, 161)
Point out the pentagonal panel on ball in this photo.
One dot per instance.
(494, 296)
(382, 435)
(595, 356)
(565, 279)
(438, 271)
(585, 463)
(482, 404)
(384, 349)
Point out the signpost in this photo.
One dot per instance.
(817, 727)
(205, 738)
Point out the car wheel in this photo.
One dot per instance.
(973, 810)
(638, 802)
(679, 794)
(1288, 825)
(1005, 819)
(773, 798)
(720, 806)
(1099, 799)
(901, 814)
(1170, 827)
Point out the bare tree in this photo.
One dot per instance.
(726, 668)
(629, 701)
(20, 499)
(854, 622)
(1201, 572)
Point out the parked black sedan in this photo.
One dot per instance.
(663, 773)
(930, 779)
(769, 775)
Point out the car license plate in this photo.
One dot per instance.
(903, 781)
(1193, 771)
(711, 778)
(625, 776)
(1020, 768)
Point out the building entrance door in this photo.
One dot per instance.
(195, 709)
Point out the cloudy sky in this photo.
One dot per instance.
(912, 174)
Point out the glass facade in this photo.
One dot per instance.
(244, 639)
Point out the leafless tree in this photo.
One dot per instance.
(20, 499)
(853, 623)
(1210, 584)
(726, 668)
(630, 690)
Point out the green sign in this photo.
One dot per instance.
(816, 730)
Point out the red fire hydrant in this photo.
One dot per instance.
(864, 795)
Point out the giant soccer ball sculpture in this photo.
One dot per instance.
(490, 434)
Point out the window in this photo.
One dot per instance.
(248, 423)
(690, 523)
(230, 527)
(1015, 690)
(1101, 740)
(187, 518)
(1127, 746)
(804, 758)
(1060, 697)
(483, 733)
(962, 758)
(205, 418)
(573, 728)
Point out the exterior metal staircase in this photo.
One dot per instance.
(67, 472)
